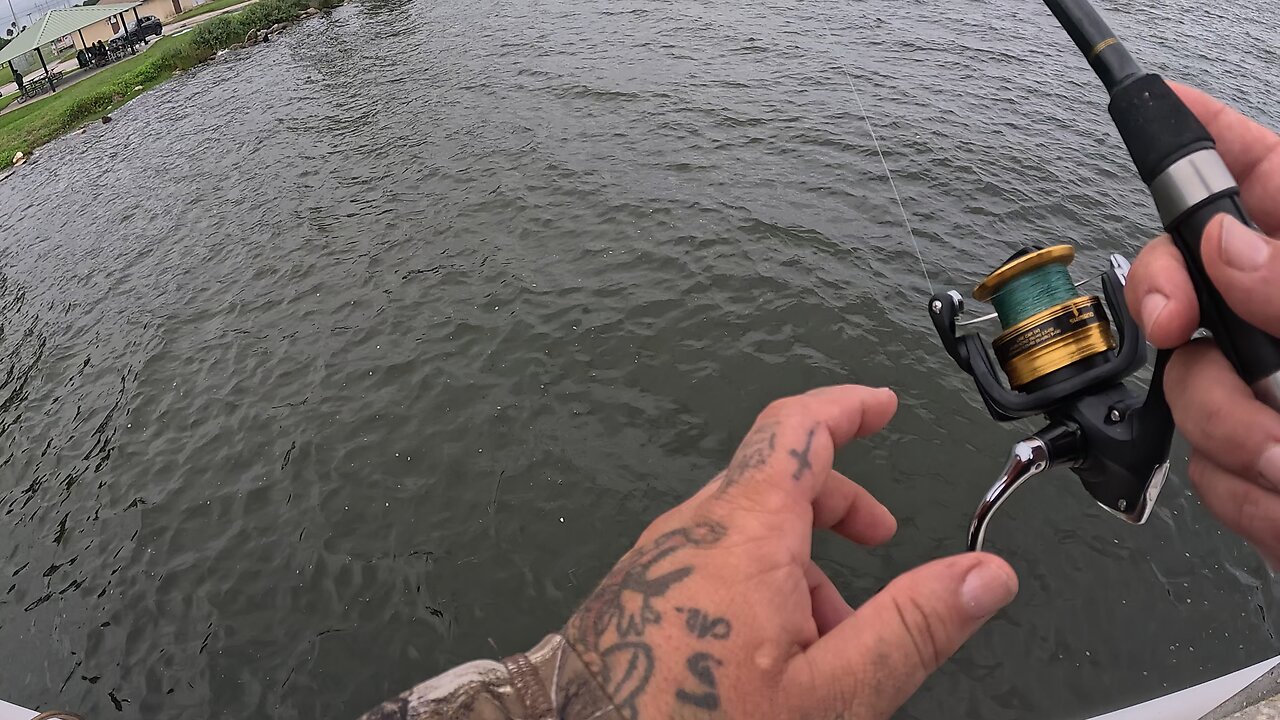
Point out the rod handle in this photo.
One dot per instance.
(1176, 157)
(1254, 353)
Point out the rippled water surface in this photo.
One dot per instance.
(349, 357)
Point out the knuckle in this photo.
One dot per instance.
(1175, 372)
(1249, 520)
(1252, 513)
(1256, 513)
(1236, 446)
(667, 519)
(1150, 260)
(920, 627)
(816, 697)
(1136, 284)
(743, 504)
(782, 408)
(1258, 525)
(1197, 472)
(672, 518)
(1134, 291)
(1215, 419)
(842, 699)
(1225, 505)
(1188, 361)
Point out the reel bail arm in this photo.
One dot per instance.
(1116, 442)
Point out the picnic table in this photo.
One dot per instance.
(38, 86)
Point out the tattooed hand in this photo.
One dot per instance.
(718, 611)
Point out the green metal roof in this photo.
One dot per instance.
(57, 23)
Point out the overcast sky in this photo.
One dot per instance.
(35, 8)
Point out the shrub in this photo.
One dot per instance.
(218, 33)
(87, 106)
(265, 13)
(227, 30)
(183, 56)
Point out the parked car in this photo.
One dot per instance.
(145, 27)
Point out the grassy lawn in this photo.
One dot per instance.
(4, 101)
(211, 6)
(40, 121)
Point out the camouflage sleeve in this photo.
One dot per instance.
(550, 682)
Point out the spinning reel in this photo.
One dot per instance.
(1063, 356)
(1067, 360)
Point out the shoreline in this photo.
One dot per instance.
(26, 129)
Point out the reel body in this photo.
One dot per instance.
(1066, 357)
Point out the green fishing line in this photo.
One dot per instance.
(1033, 292)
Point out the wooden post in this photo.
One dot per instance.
(47, 76)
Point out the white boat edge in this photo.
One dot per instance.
(1195, 703)
(9, 711)
(1199, 702)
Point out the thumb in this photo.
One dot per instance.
(1244, 266)
(869, 665)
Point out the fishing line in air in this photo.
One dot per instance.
(876, 141)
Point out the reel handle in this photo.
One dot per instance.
(1177, 159)
(1115, 442)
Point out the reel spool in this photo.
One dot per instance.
(1065, 362)
(1051, 332)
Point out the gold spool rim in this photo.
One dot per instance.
(1041, 344)
(1045, 315)
(1065, 350)
(1078, 345)
(987, 289)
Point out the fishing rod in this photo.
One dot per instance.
(1061, 354)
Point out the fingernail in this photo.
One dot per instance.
(1269, 466)
(1152, 305)
(986, 589)
(1243, 248)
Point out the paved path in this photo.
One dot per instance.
(192, 22)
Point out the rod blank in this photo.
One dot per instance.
(1109, 59)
